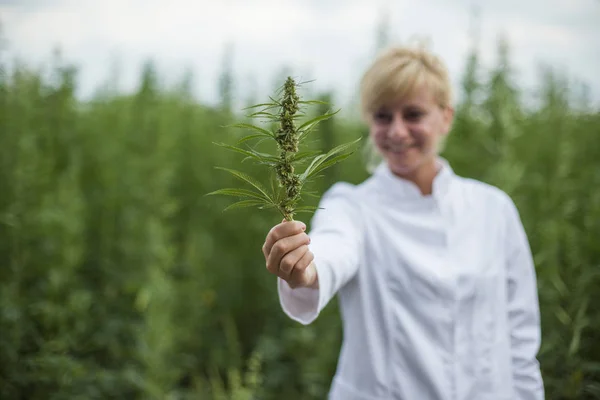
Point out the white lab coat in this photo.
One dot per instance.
(437, 293)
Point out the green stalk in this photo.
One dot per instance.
(287, 141)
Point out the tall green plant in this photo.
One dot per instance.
(286, 194)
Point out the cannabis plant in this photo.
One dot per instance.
(287, 184)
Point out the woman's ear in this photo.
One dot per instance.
(448, 116)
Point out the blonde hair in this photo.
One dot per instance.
(400, 70)
(396, 73)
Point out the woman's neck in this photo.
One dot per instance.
(422, 176)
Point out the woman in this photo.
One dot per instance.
(433, 271)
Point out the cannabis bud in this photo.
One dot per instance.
(283, 112)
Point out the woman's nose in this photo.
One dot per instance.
(398, 128)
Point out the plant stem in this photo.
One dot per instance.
(287, 140)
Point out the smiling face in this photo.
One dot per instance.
(406, 100)
(407, 133)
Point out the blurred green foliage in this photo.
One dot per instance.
(119, 278)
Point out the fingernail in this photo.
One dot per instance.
(303, 227)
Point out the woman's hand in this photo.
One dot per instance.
(287, 255)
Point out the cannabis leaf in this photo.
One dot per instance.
(286, 194)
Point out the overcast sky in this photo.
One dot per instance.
(327, 40)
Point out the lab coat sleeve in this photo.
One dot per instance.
(523, 311)
(336, 239)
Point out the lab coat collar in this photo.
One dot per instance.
(407, 190)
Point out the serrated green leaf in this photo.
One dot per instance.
(237, 149)
(316, 120)
(310, 102)
(312, 165)
(264, 156)
(250, 180)
(260, 141)
(300, 156)
(251, 137)
(306, 209)
(243, 193)
(266, 206)
(313, 168)
(270, 116)
(253, 127)
(329, 163)
(261, 158)
(312, 194)
(243, 204)
(270, 164)
(268, 105)
(306, 127)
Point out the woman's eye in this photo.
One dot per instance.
(414, 115)
(382, 117)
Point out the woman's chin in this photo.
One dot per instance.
(402, 163)
(402, 170)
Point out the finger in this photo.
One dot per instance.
(286, 266)
(302, 274)
(280, 231)
(282, 247)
